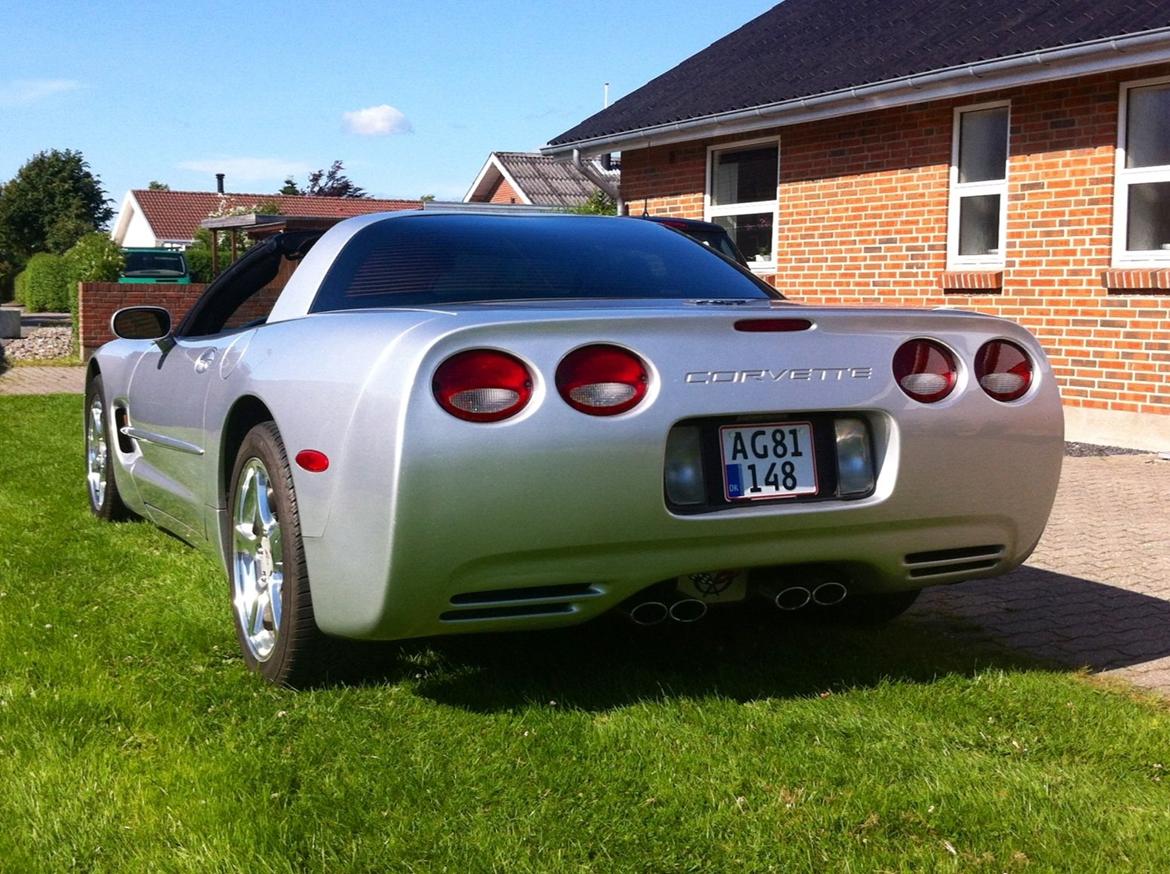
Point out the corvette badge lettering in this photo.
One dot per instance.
(813, 374)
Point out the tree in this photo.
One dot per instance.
(427, 198)
(51, 203)
(333, 183)
(290, 186)
(155, 185)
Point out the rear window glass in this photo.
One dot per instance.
(443, 259)
(154, 264)
(717, 239)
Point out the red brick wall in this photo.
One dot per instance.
(863, 220)
(504, 193)
(100, 300)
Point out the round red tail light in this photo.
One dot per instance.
(602, 380)
(1003, 369)
(482, 385)
(925, 370)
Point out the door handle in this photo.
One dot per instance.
(204, 361)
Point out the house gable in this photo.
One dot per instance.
(537, 180)
(170, 218)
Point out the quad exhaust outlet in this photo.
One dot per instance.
(828, 594)
(646, 613)
(790, 598)
(654, 611)
(688, 610)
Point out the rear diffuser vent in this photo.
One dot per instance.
(519, 603)
(532, 593)
(505, 612)
(943, 562)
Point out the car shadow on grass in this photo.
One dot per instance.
(1029, 620)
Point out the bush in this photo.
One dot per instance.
(47, 283)
(93, 258)
(20, 288)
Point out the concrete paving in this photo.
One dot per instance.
(42, 380)
(1095, 594)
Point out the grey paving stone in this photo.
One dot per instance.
(1096, 593)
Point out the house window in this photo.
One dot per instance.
(1141, 223)
(978, 199)
(741, 196)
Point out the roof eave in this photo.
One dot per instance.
(1098, 56)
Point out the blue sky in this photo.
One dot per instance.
(262, 89)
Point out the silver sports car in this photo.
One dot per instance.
(450, 423)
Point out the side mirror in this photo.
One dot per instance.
(141, 323)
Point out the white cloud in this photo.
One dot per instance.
(376, 121)
(19, 92)
(248, 169)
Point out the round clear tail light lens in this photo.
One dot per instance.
(482, 385)
(602, 380)
(1003, 370)
(925, 370)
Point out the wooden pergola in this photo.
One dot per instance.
(257, 226)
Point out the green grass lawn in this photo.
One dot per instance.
(132, 738)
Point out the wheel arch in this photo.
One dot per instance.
(246, 413)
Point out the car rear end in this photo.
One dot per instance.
(155, 266)
(541, 464)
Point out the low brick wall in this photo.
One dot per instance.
(97, 301)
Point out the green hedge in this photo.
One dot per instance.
(47, 284)
(93, 258)
(20, 287)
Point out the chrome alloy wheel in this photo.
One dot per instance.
(96, 451)
(257, 560)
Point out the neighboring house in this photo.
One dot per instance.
(170, 218)
(536, 180)
(1008, 156)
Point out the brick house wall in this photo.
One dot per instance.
(504, 193)
(863, 221)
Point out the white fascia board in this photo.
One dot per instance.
(125, 213)
(1099, 56)
(480, 179)
(512, 182)
(484, 182)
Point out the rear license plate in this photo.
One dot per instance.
(761, 462)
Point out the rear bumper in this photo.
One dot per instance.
(466, 530)
(423, 511)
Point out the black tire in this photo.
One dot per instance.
(105, 501)
(296, 651)
(873, 609)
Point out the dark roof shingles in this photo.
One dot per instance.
(800, 48)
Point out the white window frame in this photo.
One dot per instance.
(958, 190)
(753, 208)
(1124, 177)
